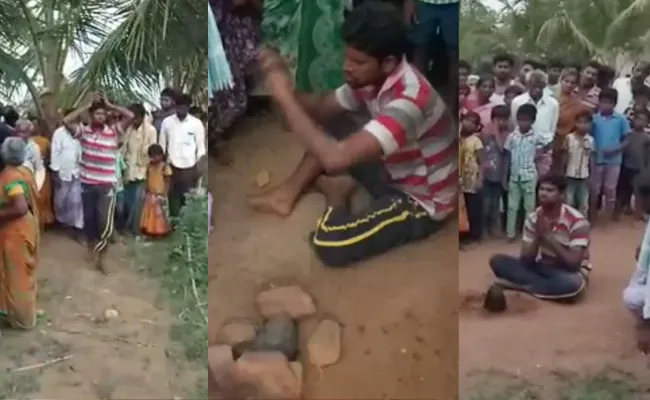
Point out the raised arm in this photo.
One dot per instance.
(71, 121)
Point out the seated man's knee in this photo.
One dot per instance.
(500, 262)
(332, 256)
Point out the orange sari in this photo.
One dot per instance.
(153, 221)
(19, 245)
(45, 202)
(570, 107)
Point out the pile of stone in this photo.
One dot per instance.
(265, 360)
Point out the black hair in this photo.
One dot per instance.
(555, 63)
(608, 94)
(155, 150)
(138, 110)
(11, 116)
(586, 115)
(98, 105)
(483, 78)
(531, 62)
(376, 29)
(168, 92)
(514, 89)
(464, 89)
(473, 115)
(645, 66)
(503, 57)
(557, 180)
(527, 110)
(184, 100)
(501, 111)
(592, 64)
(641, 90)
(541, 65)
(642, 112)
(464, 64)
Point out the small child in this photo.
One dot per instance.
(471, 180)
(577, 158)
(463, 93)
(522, 147)
(154, 221)
(511, 92)
(495, 171)
(635, 161)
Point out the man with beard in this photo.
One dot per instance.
(167, 102)
(406, 156)
(502, 69)
(588, 90)
(625, 85)
(636, 295)
(554, 260)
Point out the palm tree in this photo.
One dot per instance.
(124, 45)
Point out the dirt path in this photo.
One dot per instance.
(400, 332)
(537, 339)
(121, 358)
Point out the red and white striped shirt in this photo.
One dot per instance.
(417, 134)
(99, 150)
(571, 230)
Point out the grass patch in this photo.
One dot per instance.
(180, 264)
(608, 384)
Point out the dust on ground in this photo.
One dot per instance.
(398, 311)
(126, 357)
(540, 340)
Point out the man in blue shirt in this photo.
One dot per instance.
(610, 130)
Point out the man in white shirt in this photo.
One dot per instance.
(623, 85)
(65, 157)
(548, 113)
(182, 136)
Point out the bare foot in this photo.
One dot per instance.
(337, 190)
(276, 201)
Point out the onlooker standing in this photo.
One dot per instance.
(578, 155)
(625, 85)
(139, 137)
(182, 136)
(495, 173)
(570, 108)
(167, 101)
(636, 157)
(610, 129)
(471, 180)
(548, 114)
(587, 90)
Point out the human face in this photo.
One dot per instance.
(554, 74)
(640, 71)
(502, 70)
(166, 102)
(502, 124)
(182, 111)
(568, 83)
(549, 196)
(463, 74)
(361, 70)
(583, 126)
(486, 89)
(606, 106)
(509, 97)
(98, 117)
(525, 69)
(589, 76)
(524, 124)
(462, 97)
(536, 89)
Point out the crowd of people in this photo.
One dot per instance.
(104, 170)
(562, 148)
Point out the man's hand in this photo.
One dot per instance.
(276, 72)
(543, 226)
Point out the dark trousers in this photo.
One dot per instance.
(133, 200)
(99, 203)
(182, 182)
(392, 219)
(541, 279)
(474, 206)
(120, 212)
(492, 195)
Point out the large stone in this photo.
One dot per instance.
(279, 333)
(264, 375)
(324, 344)
(237, 332)
(290, 300)
(298, 371)
(220, 362)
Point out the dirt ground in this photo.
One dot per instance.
(398, 311)
(535, 340)
(125, 357)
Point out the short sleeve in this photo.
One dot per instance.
(15, 189)
(508, 143)
(167, 170)
(478, 144)
(579, 234)
(346, 98)
(530, 233)
(626, 128)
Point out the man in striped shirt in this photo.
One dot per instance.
(98, 170)
(554, 260)
(405, 156)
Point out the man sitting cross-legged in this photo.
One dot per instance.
(405, 156)
(554, 260)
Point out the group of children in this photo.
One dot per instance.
(500, 158)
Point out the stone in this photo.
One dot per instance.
(279, 333)
(324, 344)
(290, 300)
(236, 332)
(220, 361)
(262, 179)
(296, 367)
(263, 375)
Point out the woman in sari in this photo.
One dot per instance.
(570, 107)
(45, 203)
(19, 237)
